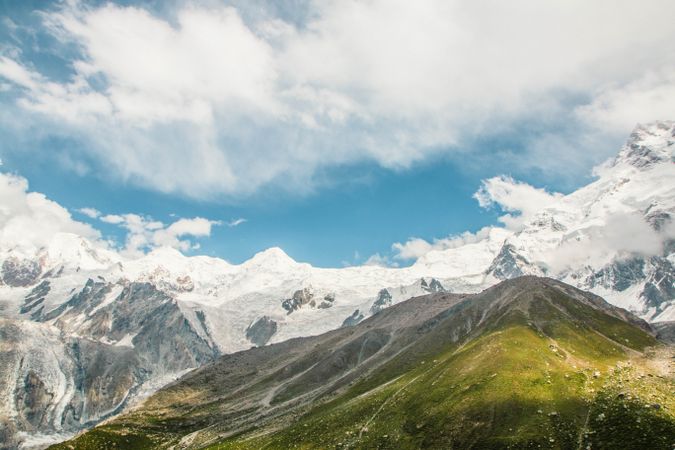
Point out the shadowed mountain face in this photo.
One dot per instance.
(665, 331)
(530, 362)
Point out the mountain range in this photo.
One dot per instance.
(87, 333)
(529, 363)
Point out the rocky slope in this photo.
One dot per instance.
(165, 313)
(529, 363)
(56, 383)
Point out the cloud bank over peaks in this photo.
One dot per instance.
(416, 248)
(622, 236)
(144, 234)
(206, 101)
(379, 260)
(29, 220)
(520, 200)
(626, 212)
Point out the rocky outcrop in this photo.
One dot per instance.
(20, 272)
(35, 298)
(665, 331)
(382, 301)
(619, 275)
(300, 298)
(640, 153)
(327, 301)
(432, 286)
(261, 330)
(55, 384)
(659, 288)
(61, 384)
(353, 319)
(508, 264)
(545, 221)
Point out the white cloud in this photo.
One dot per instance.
(144, 233)
(600, 232)
(379, 261)
(236, 222)
(92, 213)
(160, 73)
(622, 236)
(415, 248)
(171, 235)
(618, 108)
(206, 104)
(112, 218)
(520, 200)
(18, 74)
(29, 220)
(412, 249)
(72, 102)
(194, 227)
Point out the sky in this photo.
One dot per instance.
(336, 130)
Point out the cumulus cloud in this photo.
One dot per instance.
(144, 233)
(520, 200)
(415, 248)
(29, 220)
(172, 73)
(412, 249)
(112, 219)
(171, 103)
(171, 235)
(92, 213)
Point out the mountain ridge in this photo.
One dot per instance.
(308, 391)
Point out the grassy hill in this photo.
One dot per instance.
(529, 363)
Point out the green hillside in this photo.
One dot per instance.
(531, 363)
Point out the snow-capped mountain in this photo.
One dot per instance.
(86, 332)
(615, 236)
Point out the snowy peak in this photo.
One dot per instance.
(648, 145)
(273, 258)
(65, 253)
(510, 264)
(166, 253)
(73, 250)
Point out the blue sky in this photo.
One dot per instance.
(333, 129)
(332, 227)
